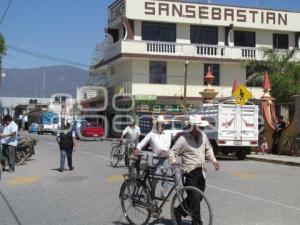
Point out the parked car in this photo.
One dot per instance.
(91, 129)
(34, 128)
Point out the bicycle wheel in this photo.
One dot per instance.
(191, 206)
(115, 156)
(135, 202)
(20, 158)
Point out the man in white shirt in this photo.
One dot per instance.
(160, 143)
(9, 142)
(132, 133)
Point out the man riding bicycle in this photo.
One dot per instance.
(132, 134)
(160, 142)
(193, 147)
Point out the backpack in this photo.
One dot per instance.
(66, 141)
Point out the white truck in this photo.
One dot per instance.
(234, 128)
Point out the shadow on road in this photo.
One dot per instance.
(154, 222)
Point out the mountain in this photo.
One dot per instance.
(33, 83)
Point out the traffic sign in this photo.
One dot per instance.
(241, 94)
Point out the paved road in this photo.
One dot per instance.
(242, 193)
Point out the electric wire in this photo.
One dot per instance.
(5, 12)
(46, 57)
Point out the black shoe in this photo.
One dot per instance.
(11, 170)
(72, 168)
(3, 169)
(60, 170)
(177, 217)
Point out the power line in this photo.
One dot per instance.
(5, 12)
(46, 57)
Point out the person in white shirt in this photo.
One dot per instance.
(9, 142)
(132, 133)
(160, 143)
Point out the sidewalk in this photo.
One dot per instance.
(277, 159)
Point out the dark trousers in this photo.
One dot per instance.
(9, 152)
(63, 155)
(192, 202)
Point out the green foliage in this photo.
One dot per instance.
(2, 45)
(284, 86)
(2, 51)
(284, 72)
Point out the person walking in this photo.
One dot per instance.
(277, 133)
(160, 142)
(193, 147)
(67, 144)
(9, 142)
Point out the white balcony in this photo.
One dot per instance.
(183, 50)
(171, 90)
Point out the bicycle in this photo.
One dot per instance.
(117, 153)
(139, 202)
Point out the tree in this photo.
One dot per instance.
(283, 69)
(2, 49)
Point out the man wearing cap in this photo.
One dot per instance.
(193, 147)
(132, 134)
(160, 142)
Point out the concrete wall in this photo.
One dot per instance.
(137, 71)
(119, 72)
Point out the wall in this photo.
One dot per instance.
(175, 72)
(119, 72)
(230, 72)
(192, 13)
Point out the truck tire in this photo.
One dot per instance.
(241, 154)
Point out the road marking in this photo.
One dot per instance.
(83, 152)
(115, 178)
(94, 155)
(244, 175)
(254, 197)
(23, 180)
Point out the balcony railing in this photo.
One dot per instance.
(184, 50)
(147, 89)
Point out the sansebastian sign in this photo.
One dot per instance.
(195, 13)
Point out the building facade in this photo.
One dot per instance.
(149, 42)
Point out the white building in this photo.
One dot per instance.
(149, 41)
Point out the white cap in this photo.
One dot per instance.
(197, 120)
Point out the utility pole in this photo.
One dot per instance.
(185, 84)
(44, 83)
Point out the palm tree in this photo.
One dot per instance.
(283, 69)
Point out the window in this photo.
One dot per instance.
(280, 41)
(204, 35)
(159, 31)
(158, 72)
(215, 69)
(244, 39)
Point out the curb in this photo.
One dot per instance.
(274, 161)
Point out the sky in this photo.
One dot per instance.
(70, 29)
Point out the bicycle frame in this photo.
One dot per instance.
(146, 179)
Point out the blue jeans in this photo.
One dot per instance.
(63, 155)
